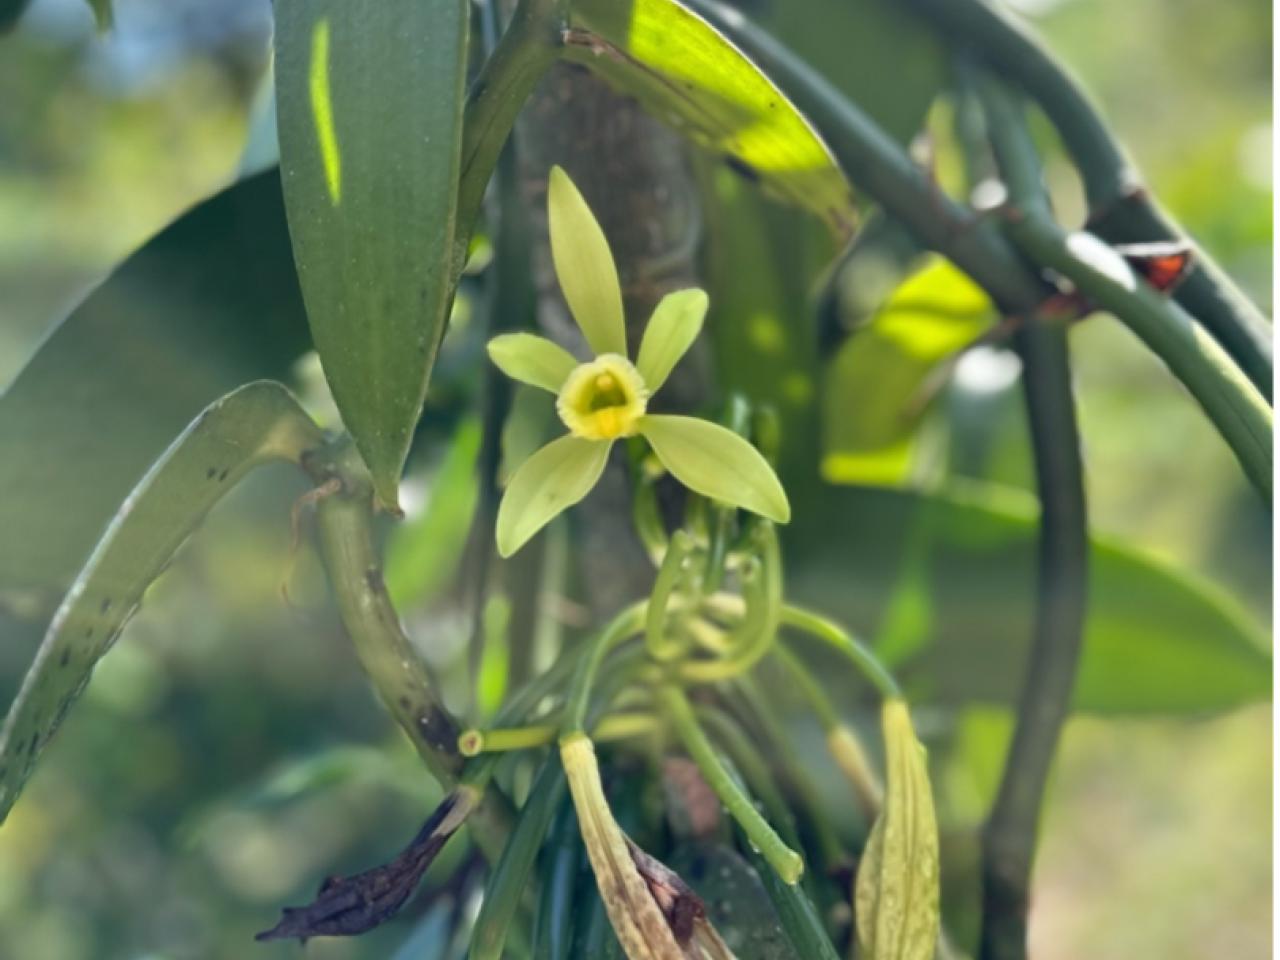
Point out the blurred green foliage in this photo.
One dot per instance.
(157, 826)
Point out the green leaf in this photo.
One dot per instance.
(10, 12)
(684, 72)
(857, 44)
(255, 424)
(669, 334)
(760, 323)
(715, 462)
(875, 389)
(103, 15)
(422, 553)
(370, 122)
(532, 359)
(510, 879)
(547, 484)
(210, 303)
(960, 568)
(584, 266)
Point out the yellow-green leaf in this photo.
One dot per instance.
(683, 71)
(369, 99)
(877, 387)
(253, 425)
(208, 304)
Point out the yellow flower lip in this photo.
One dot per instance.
(603, 399)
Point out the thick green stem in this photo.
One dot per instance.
(345, 520)
(1240, 413)
(530, 44)
(1121, 208)
(1009, 837)
(876, 164)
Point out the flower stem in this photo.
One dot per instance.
(1009, 836)
(782, 858)
(853, 650)
(759, 626)
(661, 643)
(627, 623)
(1121, 207)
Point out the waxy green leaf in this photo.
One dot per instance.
(683, 71)
(878, 386)
(369, 98)
(953, 575)
(255, 424)
(210, 303)
(856, 44)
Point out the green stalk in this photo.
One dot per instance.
(1121, 207)
(755, 708)
(750, 766)
(876, 164)
(782, 858)
(345, 522)
(627, 623)
(852, 649)
(758, 629)
(1240, 413)
(530, 44)
(815, 697)
(1009, 836)
(506, 887)
(660, 644)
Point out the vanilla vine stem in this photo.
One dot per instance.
(1009, 836)
(1121, 207)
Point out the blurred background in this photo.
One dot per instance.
(227, 755)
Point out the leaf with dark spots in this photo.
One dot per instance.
(256, 424)
(347, 906)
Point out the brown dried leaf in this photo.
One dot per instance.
(346, 906)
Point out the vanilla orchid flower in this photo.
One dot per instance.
(605, 398)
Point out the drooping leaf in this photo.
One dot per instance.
(210, 303)
(369, 98)
(960, 569)
(682, 70)
(255, 424)
(876, 388)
